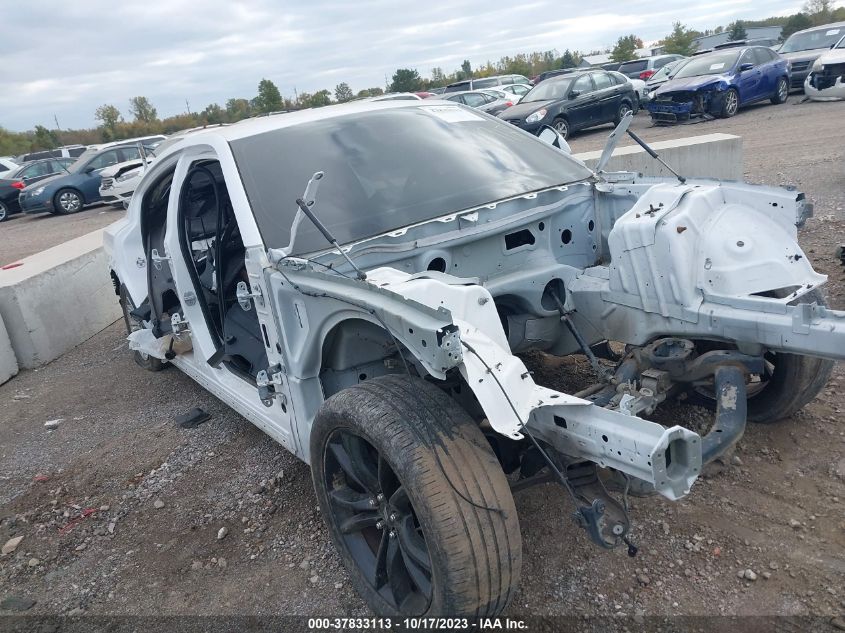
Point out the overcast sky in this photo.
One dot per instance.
(67, 58)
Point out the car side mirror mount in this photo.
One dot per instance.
(574, 93)
(745, 66)
(550, 136)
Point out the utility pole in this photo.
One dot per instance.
(56, 119)
(188, 106)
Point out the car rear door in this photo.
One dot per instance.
(582, 105)
(609, 96)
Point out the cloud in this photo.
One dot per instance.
(68, 58)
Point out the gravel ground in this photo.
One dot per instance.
(121, 511)
(24, 235)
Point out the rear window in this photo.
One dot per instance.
(380, 174)
(457, 87)
(634, 67)
(488, 82)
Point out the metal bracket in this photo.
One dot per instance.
(178, 325)
(157, 259)
(244, 295)
(267, 380)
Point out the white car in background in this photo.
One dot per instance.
(119, 181)
(826, 80)
(7, 166)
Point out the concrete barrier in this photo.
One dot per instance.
(57, 299)
(706, 156)
(8, 360)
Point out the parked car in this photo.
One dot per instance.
(66, 151)
(480, 100)
(663, 75)
(118, 182)
(803, 48)
(644, 67)
(486, 82)
(720, 83)
(573, 102)
(15, 180)
(518, 90)
(503, 95)
(70, 192)
(826, 80)
(7, 166)
(552, 73)
(391, 366)
(639, 88)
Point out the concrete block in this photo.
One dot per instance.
(707, 156)
(57, 299)
(8, 360)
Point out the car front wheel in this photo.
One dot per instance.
(730, 104)
(67, 201)
(781, 92)
(562, 126)
(416, 502)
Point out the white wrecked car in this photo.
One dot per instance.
(826, 81)
(355, 280)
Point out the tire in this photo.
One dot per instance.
(730, 104)
(399, 450)
(67, 201)
(4, 212)
(146, 361)
(781, 91)
(793, 382)
(624, 108)
(562, 126)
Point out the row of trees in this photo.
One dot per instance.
(143, 117)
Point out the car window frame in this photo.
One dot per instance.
(611, 82)
(573, 87)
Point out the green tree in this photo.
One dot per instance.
(45, 139)
(108, 116)
(405, 80)
(342, 92)
(321, 98)
(736, 31)
(568, 59)
(625, 48)
(237, 109)
(466, 69)
(796, 22)
(214, 114)
(269, 99)
(142, 110)
(438, 78)
(681, 41)
(819, 11)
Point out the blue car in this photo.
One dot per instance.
(69, 192)
(721, 82)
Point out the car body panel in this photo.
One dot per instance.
(826, 80)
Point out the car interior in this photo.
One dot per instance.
(215, 253)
